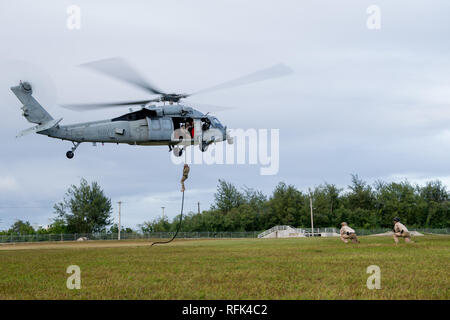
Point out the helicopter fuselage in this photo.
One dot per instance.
(148, 126)
(151, 125)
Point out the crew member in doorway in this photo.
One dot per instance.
(190, 127)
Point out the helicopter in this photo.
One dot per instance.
(173, 124)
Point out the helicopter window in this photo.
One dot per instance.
(206, 124)
(166, 124)
(155, 124)
(137, 115)
(216, 123)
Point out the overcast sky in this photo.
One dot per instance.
(371, 102)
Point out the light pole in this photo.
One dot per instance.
(118, 235)
(163, 212)
(311, 206)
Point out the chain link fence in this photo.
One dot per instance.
(367, 232)
(12, 238)
(364, 232)
(123, 236)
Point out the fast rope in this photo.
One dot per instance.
(178, 228)
(185, 176)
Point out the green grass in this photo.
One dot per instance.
(233, 269)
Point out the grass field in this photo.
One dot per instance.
(302, 268)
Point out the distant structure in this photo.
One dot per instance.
(291, 232)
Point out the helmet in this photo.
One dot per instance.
(397, 219)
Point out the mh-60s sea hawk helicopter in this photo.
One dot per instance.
(174, 124)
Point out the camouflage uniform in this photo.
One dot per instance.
(185, 176)
(348, 233)
(400, 231)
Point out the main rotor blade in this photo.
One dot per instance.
(93, 106)
(120, 69)
(275, 71)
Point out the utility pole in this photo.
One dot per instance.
(198, 205)
(120, 204)
(311, 206)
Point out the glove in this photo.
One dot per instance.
(348, 233)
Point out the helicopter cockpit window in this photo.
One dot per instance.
(206, 124)
(216, 123)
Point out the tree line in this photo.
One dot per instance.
(86, 209)
(362, 205)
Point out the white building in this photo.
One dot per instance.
(291, 232)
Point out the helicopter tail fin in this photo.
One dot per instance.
(32, 110)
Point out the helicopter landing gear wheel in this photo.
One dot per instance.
(70, 153)
(178, 152)
(203, 147)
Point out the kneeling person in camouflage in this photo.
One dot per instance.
(348, 233)
(400, 231)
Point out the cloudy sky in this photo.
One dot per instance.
(366, 101)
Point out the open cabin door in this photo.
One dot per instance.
(185, 128)
(198, 136)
